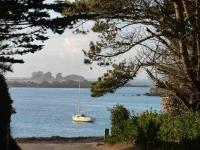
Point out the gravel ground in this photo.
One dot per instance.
(58, 143)
(76, 146)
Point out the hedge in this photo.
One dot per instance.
(151, 130)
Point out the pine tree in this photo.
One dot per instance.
(6, 109)
(166, 34)
(23, 29)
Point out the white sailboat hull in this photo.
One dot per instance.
(82, 118)
(79, 117)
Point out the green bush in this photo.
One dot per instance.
(122, 130)
(155, 131)
(147, 130)
(119, 114)
(180, 131)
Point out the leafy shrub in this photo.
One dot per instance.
(156, 131)
(180, 131)
(147, 130)
(119, 114)
(122, 130)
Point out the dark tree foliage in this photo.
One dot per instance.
(114, 79)
(24, 25)
(6, 141)
(165, 34)
(23, 28)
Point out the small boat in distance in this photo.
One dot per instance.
(80, 117)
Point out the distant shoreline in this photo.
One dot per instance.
(85, 87)
(47, 87)
(40, 79)
(58, 139)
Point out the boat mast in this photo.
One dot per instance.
(79, 93)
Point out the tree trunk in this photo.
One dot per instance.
(6, 141)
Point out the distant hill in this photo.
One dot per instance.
(74, 77)
(54, 84)
(41, 79)
(141, 82)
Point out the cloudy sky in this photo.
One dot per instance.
(61, 54)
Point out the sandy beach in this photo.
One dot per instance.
(79, 143)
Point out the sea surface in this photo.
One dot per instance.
(44, 112)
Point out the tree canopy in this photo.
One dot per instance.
(166, 34)
(23, 29)
(24, 26)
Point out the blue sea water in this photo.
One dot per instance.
(43, 112)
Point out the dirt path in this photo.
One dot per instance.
(93, 143)
(76, 146)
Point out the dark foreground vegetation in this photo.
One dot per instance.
(155, 131)
(6, 109)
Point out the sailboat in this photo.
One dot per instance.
(80, 117)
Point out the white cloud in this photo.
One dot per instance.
(75, 44)
(61, 53)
